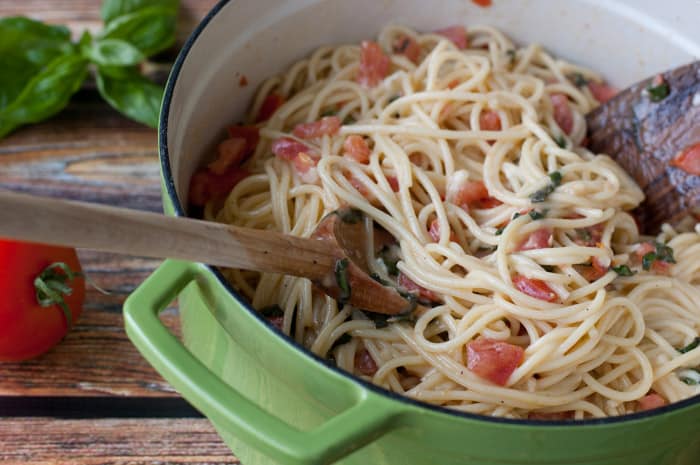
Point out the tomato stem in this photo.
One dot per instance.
(52, 285)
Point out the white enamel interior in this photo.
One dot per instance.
(625, 40)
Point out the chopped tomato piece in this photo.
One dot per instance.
(539, 239)
(456, 34)
(326, 126)
(661, 267)
(534, 288)
(231, 152)
(393, 183)
(303, 162)
(465, 193)
(415, 288)
(590, 236)
(453, 83)
(374, 64)
(494, 360)
(643, 249)
(482, 3)
(206, 186)
(490, 121)
(407, 46)
(602, 92)
(595, 271)
(356, 148)
(567, 415)
(364, 363)
(287, 148)
(689, 160)
(251, 134)
(434, 231)
(651, 401)
(269, 106)
(562, 112)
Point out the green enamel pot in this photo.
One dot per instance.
(272, 401)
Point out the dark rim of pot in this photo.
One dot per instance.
(179, 211)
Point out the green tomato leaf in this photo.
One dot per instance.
(150, 29)
(133, 95)
(26, 46)
(113, 52)
(111, 9)
(46, 93)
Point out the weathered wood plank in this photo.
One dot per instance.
(111, 442)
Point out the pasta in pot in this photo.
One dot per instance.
(541, 300)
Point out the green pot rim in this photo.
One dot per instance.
(172, 204)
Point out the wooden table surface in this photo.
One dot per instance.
(93, 399)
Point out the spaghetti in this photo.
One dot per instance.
(541, 300)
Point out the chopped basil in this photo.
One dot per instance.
(561, 141)
(658, 92)
(623, 270)
(541, 195)
(664, 253)
(350, 215)
(500, 230)
(341, 279)
(691, 346)
(389, 255)
(648, 260)
(535, 215)
(393, 98)
(690, 376)
(380, 320)
(273, 311)
(578, 80)
(511, 56)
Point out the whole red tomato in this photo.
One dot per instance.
(39, 293)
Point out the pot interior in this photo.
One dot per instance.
(625, 40)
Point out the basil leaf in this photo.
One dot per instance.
(111, 9)
(133, 95)
(623, 270)
(342, 280)
(26, 47)
(664, 253)
(113, 52)
(648, 260)
(560, 141)
(541, 195)
(691, 346)
(46, 94)
(535, 215)
(150, 29)
(659, 92)
(579, 80)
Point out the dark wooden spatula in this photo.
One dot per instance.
(644, 131)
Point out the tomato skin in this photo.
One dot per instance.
(26, 328)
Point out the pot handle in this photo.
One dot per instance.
(352, 429)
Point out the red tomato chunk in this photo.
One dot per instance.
(407, 46)
(434, 231)
(494, 360)
(534, 288)
(415, 288)
(326, 126)
(456, 34)
(231, 152)
(269, 106)
(364, 363)
(490, 121)
(562, 112)
(651, 401)
(356, 148)
(601, 91)
(374, 64)
(539, 239)
(206, 185)
(287, 148)
(689, 160)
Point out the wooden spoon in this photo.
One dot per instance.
(644, 136)
(332, 258)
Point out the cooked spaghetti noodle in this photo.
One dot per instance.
(541, 298)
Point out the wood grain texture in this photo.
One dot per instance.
(111, 442)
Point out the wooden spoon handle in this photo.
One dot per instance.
(78, 224)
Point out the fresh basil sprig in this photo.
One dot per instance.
(42, 68)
